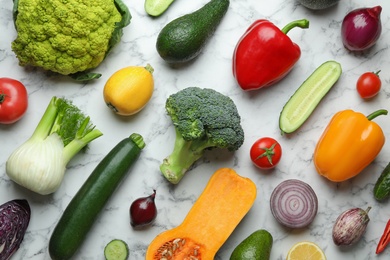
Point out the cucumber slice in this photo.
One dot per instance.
(303, 102)
(116, 250)
(157, 7)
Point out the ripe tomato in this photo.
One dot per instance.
(368, 84)
(265, 153)
(13, 100)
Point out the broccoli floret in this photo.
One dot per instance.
(67, 37)
(203, 119)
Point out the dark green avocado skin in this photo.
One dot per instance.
(318, 4)
(256, 246)
(184, 38)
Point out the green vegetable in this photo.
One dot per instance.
(67, 37)
(203, 119)
(83, 209)
(318, 4)
(157, 7)
(382, 185)
(116, 249)
(184, 38)
(39, 163)
(257, 246)
(301, 105)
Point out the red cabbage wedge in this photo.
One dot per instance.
(14, 220)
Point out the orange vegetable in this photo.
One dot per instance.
(350, 143)
(129, 89)
(219, 209)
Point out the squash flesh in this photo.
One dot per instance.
(223, 203)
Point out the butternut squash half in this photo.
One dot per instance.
(224, 202)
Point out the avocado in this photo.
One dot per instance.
(257, 246)
(318, 4)
(182, 39)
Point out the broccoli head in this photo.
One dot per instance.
(67, 37)
(203, 119)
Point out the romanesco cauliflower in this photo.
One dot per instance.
(67, 36)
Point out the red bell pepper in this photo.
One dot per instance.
(265, 54)
(385, 239)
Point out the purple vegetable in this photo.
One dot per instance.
(143, 211)
(14, 220)
(350, 226)
(294, 203)
(361, 28)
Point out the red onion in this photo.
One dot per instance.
(143, 211)
(294, 203)
(14, 220)
(361, 28)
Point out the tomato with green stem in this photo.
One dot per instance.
(13, 100)
(369, 84)
(266, 153)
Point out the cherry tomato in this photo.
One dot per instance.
(265, 153)
(13, 100)
(368, 84)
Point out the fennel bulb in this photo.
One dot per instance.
(39, 164)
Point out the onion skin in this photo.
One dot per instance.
(350, 226)
(143, 211)
(361, 28)
(14, 219)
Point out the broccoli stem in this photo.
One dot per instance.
(183, 156)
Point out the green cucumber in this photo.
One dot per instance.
(156, 7)
(83, 209)
(382, 185)
(116, 249)
(303, 102)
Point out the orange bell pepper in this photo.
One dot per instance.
(350, 143)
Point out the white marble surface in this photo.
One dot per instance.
(259, 110)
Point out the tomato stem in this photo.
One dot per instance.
(2, 97)
(268, 152)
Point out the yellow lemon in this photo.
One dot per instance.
(128, 90)
(306, 251)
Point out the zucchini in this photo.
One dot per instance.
(83, 209)
(303, 102)
(116, 249)
(382, 185)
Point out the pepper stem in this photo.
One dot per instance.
(303, 23)
(377, 113)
